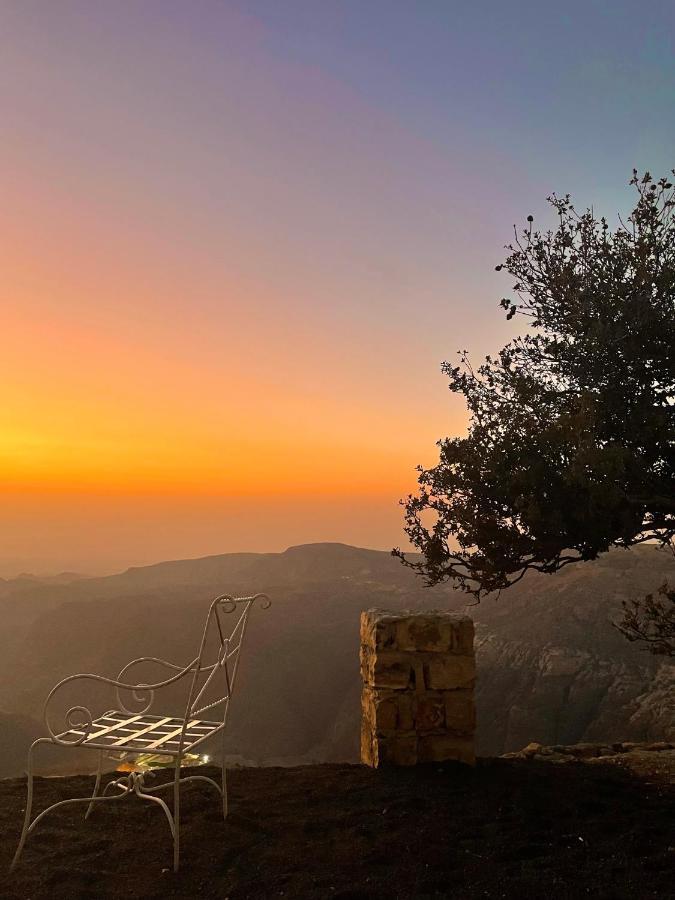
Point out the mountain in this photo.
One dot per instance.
(551, 666)
(554, 670)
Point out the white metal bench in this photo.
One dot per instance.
(124, 730)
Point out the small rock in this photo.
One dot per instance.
(532, 748)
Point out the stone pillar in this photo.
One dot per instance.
(418, 671)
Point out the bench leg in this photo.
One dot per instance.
(176, 815)
(29, 801)
(97, 785)
(224, 776)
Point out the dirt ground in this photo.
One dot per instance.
(508, 828)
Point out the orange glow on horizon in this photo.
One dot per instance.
(225, 296)
(87, 408)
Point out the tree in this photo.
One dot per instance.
(651, 620)
(570, 448)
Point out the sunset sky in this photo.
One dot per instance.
(239, 238)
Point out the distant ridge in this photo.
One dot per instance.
(551, 667)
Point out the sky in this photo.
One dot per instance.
(237, 240)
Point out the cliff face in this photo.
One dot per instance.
(551, 668)
(557, 694)
(555, 670)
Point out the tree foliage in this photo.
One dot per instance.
(570, 448)
(651, 621)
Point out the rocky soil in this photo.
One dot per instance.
(520, 828)
(653, 761)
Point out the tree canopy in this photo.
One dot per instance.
(570, 448)
(651, 620)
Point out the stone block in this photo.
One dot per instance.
(417, 677)
(429, 712)
(378, 630)
(460, 712)
(449, 673)
(365, 654)
(379, 711)
(404, 702)
(435, 632)
(369, 744)
(385, 668)
(443, 747)
(398, 749)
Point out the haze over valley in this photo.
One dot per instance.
(551, 666)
